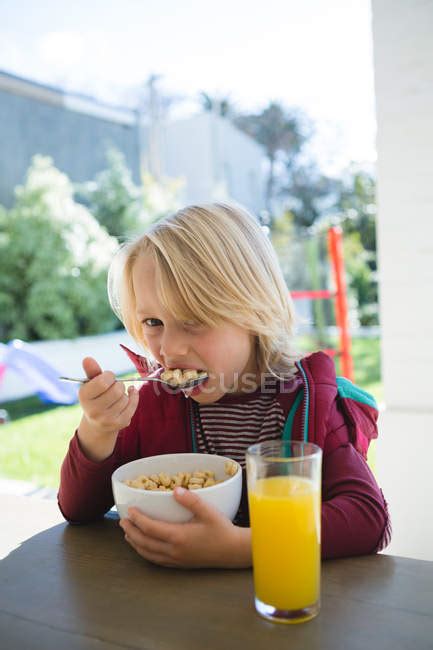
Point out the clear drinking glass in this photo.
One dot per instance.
(284, 495)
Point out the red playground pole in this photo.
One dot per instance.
(335, 246)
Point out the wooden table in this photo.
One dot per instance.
(83, 587)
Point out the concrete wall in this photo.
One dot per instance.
(403, 54)
(75, 132)
(216, 160)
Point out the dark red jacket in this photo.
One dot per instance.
(355, 519)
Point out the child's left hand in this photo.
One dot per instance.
(209, 539)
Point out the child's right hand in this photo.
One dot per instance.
(106, 410)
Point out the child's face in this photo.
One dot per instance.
(226, 352)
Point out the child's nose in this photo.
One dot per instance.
(173, 343)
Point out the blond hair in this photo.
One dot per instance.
(214, 264)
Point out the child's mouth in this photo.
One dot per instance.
(189, 380)
(183, 377)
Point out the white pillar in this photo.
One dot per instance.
(403, 55)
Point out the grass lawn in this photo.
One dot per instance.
(33, 444)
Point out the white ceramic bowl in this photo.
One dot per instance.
(224, 496)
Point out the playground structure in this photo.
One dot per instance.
(338, 294)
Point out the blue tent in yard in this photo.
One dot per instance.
(41, 377)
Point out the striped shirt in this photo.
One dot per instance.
(228, 427)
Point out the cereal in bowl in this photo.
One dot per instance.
(163, 482)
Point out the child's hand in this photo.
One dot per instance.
(106, 410)
(208, 540)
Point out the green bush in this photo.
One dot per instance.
(53, 262)
(357, 203)
(362, 285)
(112, 197)
(123, 208)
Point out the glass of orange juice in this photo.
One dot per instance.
(284, 496)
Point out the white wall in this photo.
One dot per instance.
(216, 160)
(403, 54)
(66, 356)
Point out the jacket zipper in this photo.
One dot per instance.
(192, 427)
(305, 402)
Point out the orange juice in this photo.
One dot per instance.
(285, 523)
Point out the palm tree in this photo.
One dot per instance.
(277, 131)
(222, 106)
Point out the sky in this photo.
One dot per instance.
(314, 55)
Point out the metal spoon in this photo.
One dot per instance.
(188, 384)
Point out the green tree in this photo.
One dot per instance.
(357, 204)
(362, 280)
(280, 132)
(112, 197)
(309, 194)
(222, 106)
(357, 209)
(53, 262)
(290, 250)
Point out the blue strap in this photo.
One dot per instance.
(288, 426)
(348, 390)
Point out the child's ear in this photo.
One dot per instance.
(141, 363)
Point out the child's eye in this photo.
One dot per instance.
(152, 322)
